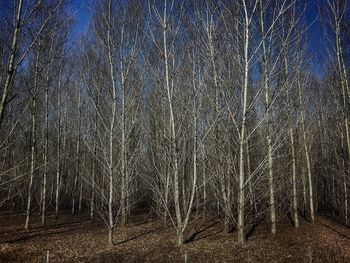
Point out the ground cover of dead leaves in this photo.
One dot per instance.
(76, 239)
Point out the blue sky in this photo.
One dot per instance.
(315, 36)
(80, 10)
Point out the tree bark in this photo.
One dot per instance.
(268, 124)
(58, 165)
(241, 181)
(11, 63)
(292, 148)
(172, 129)
(307, 154)
(33, 140)
(111, 128)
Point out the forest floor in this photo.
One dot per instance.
(76, 239)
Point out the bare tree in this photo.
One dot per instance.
(33, 136)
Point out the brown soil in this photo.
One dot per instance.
(76, 239)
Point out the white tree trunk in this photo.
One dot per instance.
(92, 200)
(58, 165)
(77, 153)
(241, 182)
(123, 143)
(111, 127)
(33, 141)
(172, 130)
(46, 147)
(292, 147)
(268, 132)
(307, 154)
(11, 63)
(346, 98)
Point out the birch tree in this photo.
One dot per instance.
(21, 20)
(33, 136)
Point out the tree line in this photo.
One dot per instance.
(189, 109)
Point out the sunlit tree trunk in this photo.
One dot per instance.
(94, 163)
(123, 141)
(265, 79)
(345, 92)
(174, 160)
(11, 63)
(242, 140)
(33, 140)
(58, 161)
(77, 168)
(46, 146)
(292, 147)
(111, 126)
(306, 152)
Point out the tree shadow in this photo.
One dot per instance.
(253, 229)
(232, 229)
(26, 236)
(336, 231)
(47, 227)
(194, 236)
(304, 216)
(69, 223)
(138, 222)
(139, 235)
(290, 219)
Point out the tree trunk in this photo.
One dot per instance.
(268, 124)
(172, 130)
(94, 177)
(77, 168)
(292, 148)
(58, 165)
(124, 180)
(346, 98)
(11, 63)
(46, 147)
(241, 183)
(111, 128)
(33, 141)
(307, 154)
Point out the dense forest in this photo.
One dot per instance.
(178, 110)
